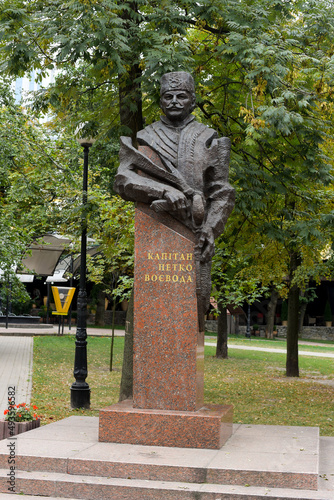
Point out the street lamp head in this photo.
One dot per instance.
(86, 142)
(83, 140)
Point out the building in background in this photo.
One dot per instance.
(24, 85)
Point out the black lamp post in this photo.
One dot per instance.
(80, 391)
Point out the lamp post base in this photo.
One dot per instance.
(80, 396)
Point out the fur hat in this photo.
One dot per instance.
(177, 80)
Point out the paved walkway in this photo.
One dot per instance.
(15, 369)
(273, 349)
(42, 330)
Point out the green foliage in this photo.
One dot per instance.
(264, 74)
(124, 288)
(21, 413)
(13, 290)
(229, 286)
(32, 194)
(266, 86)
(122, 35)
(40, 192)
(111, 224)
(21, 306)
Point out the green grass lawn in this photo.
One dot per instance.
(53, 374)
(253, 382)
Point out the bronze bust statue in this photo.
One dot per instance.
(181, 167)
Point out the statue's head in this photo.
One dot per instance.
(177, 95)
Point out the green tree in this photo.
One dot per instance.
(264, 72)
(264, 85)
(31, 176)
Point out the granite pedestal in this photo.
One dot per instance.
(208, 427)
(168, 365)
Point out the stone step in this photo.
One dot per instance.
(65, 459)
(159, 472)
(261, 456)
(57, 485)
(14, 496)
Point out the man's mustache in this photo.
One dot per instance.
(176, 106)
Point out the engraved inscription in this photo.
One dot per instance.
(169, 256)
(181, 263)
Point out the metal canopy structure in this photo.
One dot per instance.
(90, 251)
(44, 257)
(44, 254)
(70, 263)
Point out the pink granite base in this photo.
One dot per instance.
(209, 427)
(168, 349)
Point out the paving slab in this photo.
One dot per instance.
(326, 464)
(88, 488)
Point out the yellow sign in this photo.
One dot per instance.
(63, 296)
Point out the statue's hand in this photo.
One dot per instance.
(177, 202)
(206, 244)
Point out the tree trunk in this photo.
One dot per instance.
(126, 387)
(130, 94)
(100, 309)
(129, 88)
(271, 314)
(221, 349)
(131, 117)
(292, 367)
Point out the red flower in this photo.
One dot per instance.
(35, 407)
(5, 412)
